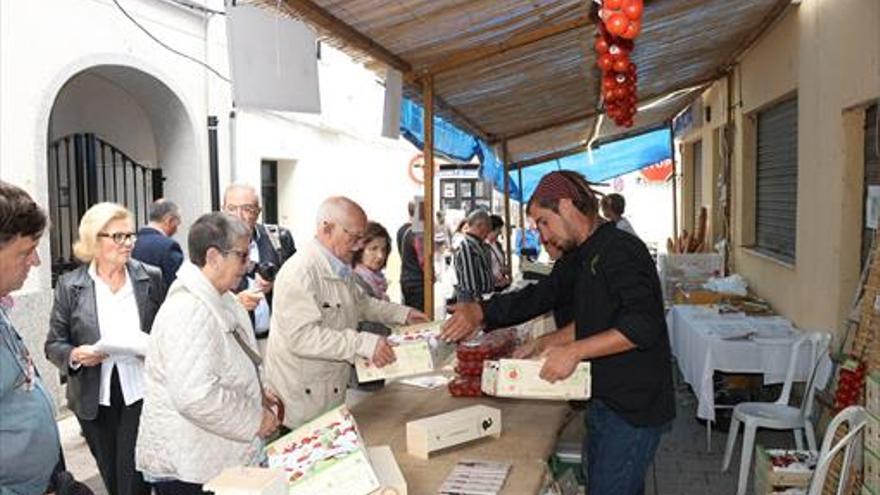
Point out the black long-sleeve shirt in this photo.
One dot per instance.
(609, 281)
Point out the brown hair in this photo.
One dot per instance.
(586, 202)
(615, 203)
(19, 214)
(374, 230)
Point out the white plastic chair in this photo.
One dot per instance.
(856, 417)
(777, 415)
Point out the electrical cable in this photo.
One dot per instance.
(166, 46)
(200, 8)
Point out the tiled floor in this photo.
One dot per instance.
(683, 467)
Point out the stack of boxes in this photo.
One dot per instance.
(470, 356)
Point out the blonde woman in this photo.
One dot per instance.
(109, 300)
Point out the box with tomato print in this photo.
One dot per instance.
(418, 350)
(520, 378)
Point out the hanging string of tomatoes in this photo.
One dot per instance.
(621, 23)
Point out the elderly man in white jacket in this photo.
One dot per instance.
(313, 338)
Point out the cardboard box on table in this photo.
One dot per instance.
(390, 477)
(418, 350)
(325, 456)
(433, 433)
(521, 378)
(248, 481)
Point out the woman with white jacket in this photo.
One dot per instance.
(204, 409)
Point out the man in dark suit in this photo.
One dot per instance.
(266, 247)
(154, 244)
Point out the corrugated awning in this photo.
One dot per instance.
(523, 71)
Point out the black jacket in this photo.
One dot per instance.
(74, 322)
(267, 254)
(609, 281)
(157, 249)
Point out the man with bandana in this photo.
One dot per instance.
(609, 282)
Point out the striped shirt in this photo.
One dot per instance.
(473, 269)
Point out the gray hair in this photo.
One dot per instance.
(214, 230)
(479, 216)
(335, 209)
(242, 185)
(162, 208)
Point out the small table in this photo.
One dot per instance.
(528, 436)
(700, 351)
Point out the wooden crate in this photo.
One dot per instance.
(768, 477)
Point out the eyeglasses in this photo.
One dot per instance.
(119, 238)
(243, 256)
(250, 210)
(356, 236)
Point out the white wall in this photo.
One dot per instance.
(91, 103)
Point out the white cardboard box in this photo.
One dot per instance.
(433, 433)
(325, 456)
(390, 478)
(520, 378)
(418, 350)
(249, 481)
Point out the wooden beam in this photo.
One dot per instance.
(550, 156)
(506, 165)
(479, 53)
(314, 14)
(428, 210)
(549, 125)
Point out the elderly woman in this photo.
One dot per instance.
(111, 301)
(370, 260)
(205, 409)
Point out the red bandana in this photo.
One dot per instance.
(554, 186)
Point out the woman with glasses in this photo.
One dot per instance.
(100, 319)
(205, 408)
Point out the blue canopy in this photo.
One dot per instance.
(452, 142)
(600, 164)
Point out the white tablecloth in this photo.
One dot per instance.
(693, 336)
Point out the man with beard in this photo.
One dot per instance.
(609, 281)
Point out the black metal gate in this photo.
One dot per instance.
(85, 170)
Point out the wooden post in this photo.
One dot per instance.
(522, 213)
(504, 161)
(428, 151)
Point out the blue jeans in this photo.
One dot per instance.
(616, 454)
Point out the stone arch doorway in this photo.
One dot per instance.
(116, 133)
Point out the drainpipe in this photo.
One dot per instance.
(214, 162)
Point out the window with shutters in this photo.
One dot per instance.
(697, 154)
(872, 169)
(776, 181)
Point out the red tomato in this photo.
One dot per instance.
(608, 82)
(616, 23)
(632, 30)
(612, 4)
(620, 65)
(605, 62)
(633, 9)
(601, 45)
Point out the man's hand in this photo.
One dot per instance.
(264, 285)
(559, 364)
(384, 354)
(464, 322)
(529, 349)
(416, 316)
(86, 355)
(249, 299)
(268, 424)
